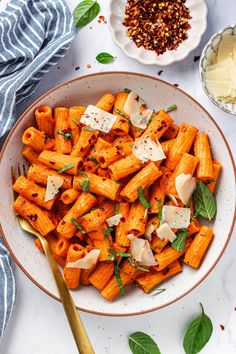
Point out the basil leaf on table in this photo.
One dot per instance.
(104, 58)
(141, 343)
(204, 201)
(198, 334)
(180, 242)
(85, 12)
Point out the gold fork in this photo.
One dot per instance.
(81, 338)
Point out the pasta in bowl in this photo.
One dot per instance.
(117, 188)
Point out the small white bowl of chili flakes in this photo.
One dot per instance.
(157, 31)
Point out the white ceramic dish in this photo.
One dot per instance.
(157, 94)
(198, 11)
(208, 54)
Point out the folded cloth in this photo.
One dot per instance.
(34, 35)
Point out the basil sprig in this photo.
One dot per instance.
(142, 199)
(105, 58)
(85, 12)
(142, 343)
(204, 201)
(179, 243)
(198, 334)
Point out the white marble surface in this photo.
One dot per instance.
(38, 325)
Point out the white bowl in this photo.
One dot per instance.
(208, 53)
(157, 94)
(198, 11)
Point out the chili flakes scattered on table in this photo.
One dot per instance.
(157, 25)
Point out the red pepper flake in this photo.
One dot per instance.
(160, 72)
(176, 85)
(101, 19)
(77, 68)
(157, 25)
(222, 327)
(235, 309)
(196, 58)
(33, 217)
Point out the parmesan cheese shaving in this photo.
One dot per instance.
(52, 188)
(146, 149)
(148, 232)
(140, 119)
(141, 251)
(114, 220)
(176, 217)
(98, 119)
(165, 233)
(173, 199)
(185, 186)
(86, 262)
(134, 107)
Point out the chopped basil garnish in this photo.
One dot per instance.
(89, 129)
(137, 266)
(116, 110)
(119, 254)
(117, 208)
(171, 108)
(142, 199)
(78, 225)
(83, 174)
(159, 291)
(66, 135)
(159, 209)
(94, 160)
(75, 121)
(118, 279)
(65, 168)
(85, 186)
(107, 232)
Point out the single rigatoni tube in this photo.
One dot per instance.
(171, 132)
(98, 185)
(70, 196)
(182, 144)
(202, 151)
(34, 215)
(142, 179)
(122, 123)
(58, 161)
(159, 124)
(63, 144)
(106, 102)
(157, 197)
(195, 253)
(216, 171)
(93, 220)
(157, 244)
(121, 230)
(102, 274)
(125, 167)
(137, 218)
(44, 120)
(39, 174)
(72, 275)
(30, 154)
(187, 165)
(34, 138)
(62, 247)
(31, 191)
(108, 156)
(66, 228)
(75, 114)
(85, 141)
(150, 280)
(127, 275)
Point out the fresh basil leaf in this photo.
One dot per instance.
(198, 334)
(85, 186)
(110, 258)
(118, 279)
(116, 110)
(85, 12)
(142, 199)
(89, 129)
(137, 266)
(65, 168)
(142, 343)
(78, 225)
(204, 201)
(189, 203)
(179, 243)
(171, 108)
(119, 254)
(66, 135)
(105, 58)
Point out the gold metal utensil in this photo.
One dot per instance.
(81, 338)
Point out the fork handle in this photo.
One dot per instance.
(81, 338)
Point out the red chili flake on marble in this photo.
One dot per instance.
(101, 19)
(176, 85)
(157, 25)
(160, 72)
(222, 327)
(77, 68)
(196, 58)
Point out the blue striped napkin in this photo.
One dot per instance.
(34, 35)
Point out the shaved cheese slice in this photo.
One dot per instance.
(185, 186)
(134, 107)
(114, 220)
(53, 185)
(220, 74)
(98, 119)
(141, 251)
(176, 217)
(149, 231)
(86, 262)
(173, 199)
(146, 149)
(165, 233)
(225, 51)
(219, 88)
